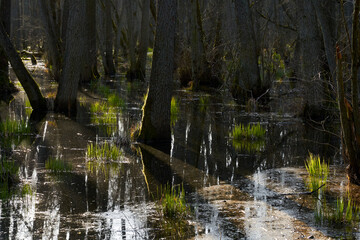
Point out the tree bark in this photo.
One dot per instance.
(5, 10)
(53, 43)
(144, 41)
(109, 66)
(37, 101)
(248, 77)
(89, 71)
(156, 111)
(66, 97)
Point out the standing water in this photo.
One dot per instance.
(84, 179)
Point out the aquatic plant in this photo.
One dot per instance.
(344, 212)
(115, 101)
(57, 165)
(204, 103)
(105, 152)
(8, 171)
(26, 190)
(172, 202)
(10, 127)
(318, 171)
(174, 110)
(251, 131)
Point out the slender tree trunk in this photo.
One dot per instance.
(156, 111)
(5, 10)
(144, 41)
(109, 67)
(52, 40)
(247, 82)
(37, 101)
(89, 72)
(66, 97)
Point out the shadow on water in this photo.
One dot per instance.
(233, 192)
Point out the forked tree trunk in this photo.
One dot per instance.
(156, 111)
(37, 101)
(66, 97)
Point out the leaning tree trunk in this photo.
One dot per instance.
(37, 101)
(156, 111)
(66, 97)
(247, 83)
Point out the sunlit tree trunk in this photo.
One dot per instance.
(37, 101)
(247, 82)
(156, 111)
(66, 97)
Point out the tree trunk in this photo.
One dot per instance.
(53, 43)
(308, 53)
(109, 66)
(144, 41)
(89, 71)
(66, 97)
(350, 120)
(156, 111)
(5, 18)
(37, 101)
(200, 66)
(247, 82)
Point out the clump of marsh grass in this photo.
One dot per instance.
(172, 207)
(251, 131)
(57, 165)
(8, 171)
(318, 171)
(13, 127)
(103, 152)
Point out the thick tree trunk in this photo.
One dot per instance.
(131, 37)
(37, 101)
(247, 82)
(156, 111)
(66, 97)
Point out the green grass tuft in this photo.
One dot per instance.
(103, 152)
(318, 171)
(56, 165)
(174, 110)
(172, 202)
(251, 131)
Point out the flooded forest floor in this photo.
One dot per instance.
(233, 189)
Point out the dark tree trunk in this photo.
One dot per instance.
(156, 111)
(89, 71)
(247, 82)
(66, 97)
(6, 87)
(37, 101)
(109, 66)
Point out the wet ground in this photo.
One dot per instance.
(234, 190)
